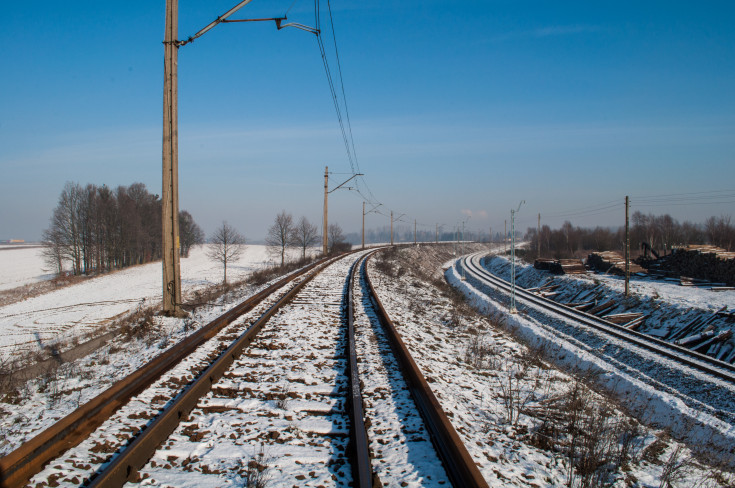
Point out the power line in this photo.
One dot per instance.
(347, 133)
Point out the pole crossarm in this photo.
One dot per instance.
(223, 19)
(374, 209)
(216, 21)
(345, 182)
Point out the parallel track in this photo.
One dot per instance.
(697, 361)
(17, 467)
(125, 466)
(231, 366)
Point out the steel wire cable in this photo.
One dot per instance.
(347, 133)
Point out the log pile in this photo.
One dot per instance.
(561, 266)
(611, 262)
(702, 263)
(572, 266)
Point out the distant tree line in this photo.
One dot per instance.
(661, 232)
(96, 228)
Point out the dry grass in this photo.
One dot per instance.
(589, 429)
(18, 294)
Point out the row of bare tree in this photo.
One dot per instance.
(227, 244)
(98, 229)
(661, 232)
(286, 233)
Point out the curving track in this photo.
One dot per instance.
(701, 382)
(701, 362)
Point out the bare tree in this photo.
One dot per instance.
(53, 252)
(226, 245)
(190, 234)
(305, 234)
(719, 231)
(280, 235)
(336, 238)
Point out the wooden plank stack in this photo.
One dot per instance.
(611, 262)
(572, 266)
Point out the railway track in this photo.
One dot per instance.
(284, 397)
(700, 362)
(17, 467)
(654, 382)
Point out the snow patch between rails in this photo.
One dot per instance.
(651, 406)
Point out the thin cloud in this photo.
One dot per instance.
(548, 31)
(564, 30)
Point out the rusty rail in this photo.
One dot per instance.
(124, 467)
(461, 469)
(17, 467)
(360, 452)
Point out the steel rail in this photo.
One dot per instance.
(18, 466)
(360, 452)
(701, 362)
(461, 469)
(124, 467)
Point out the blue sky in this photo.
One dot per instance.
(457, 109)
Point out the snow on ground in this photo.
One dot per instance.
(284, 395)
(29, 407)
(511, 408)
(667, 305)
(400, 445)
(22, 265)
(496, 391)
(88, 306)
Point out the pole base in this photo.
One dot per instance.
(177, 313)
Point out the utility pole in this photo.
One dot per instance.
(391, 227)
(463, 236)
(170, 146)
(505, 237)
(491, 236)
(513, 257)
(627, 248)
(170, 190)
(326, 204)
(363, 224)
(456, 244)
(436, 237)
(374, 209)
(414, 232)
(463, 276)
(327, 191)
(538, 238)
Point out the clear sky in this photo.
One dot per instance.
(456, 109)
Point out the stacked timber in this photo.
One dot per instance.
(561, 266)
(701, 263)
(611, 262)
(572, 266)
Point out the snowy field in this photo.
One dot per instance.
(22, 265)
(88, 306)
